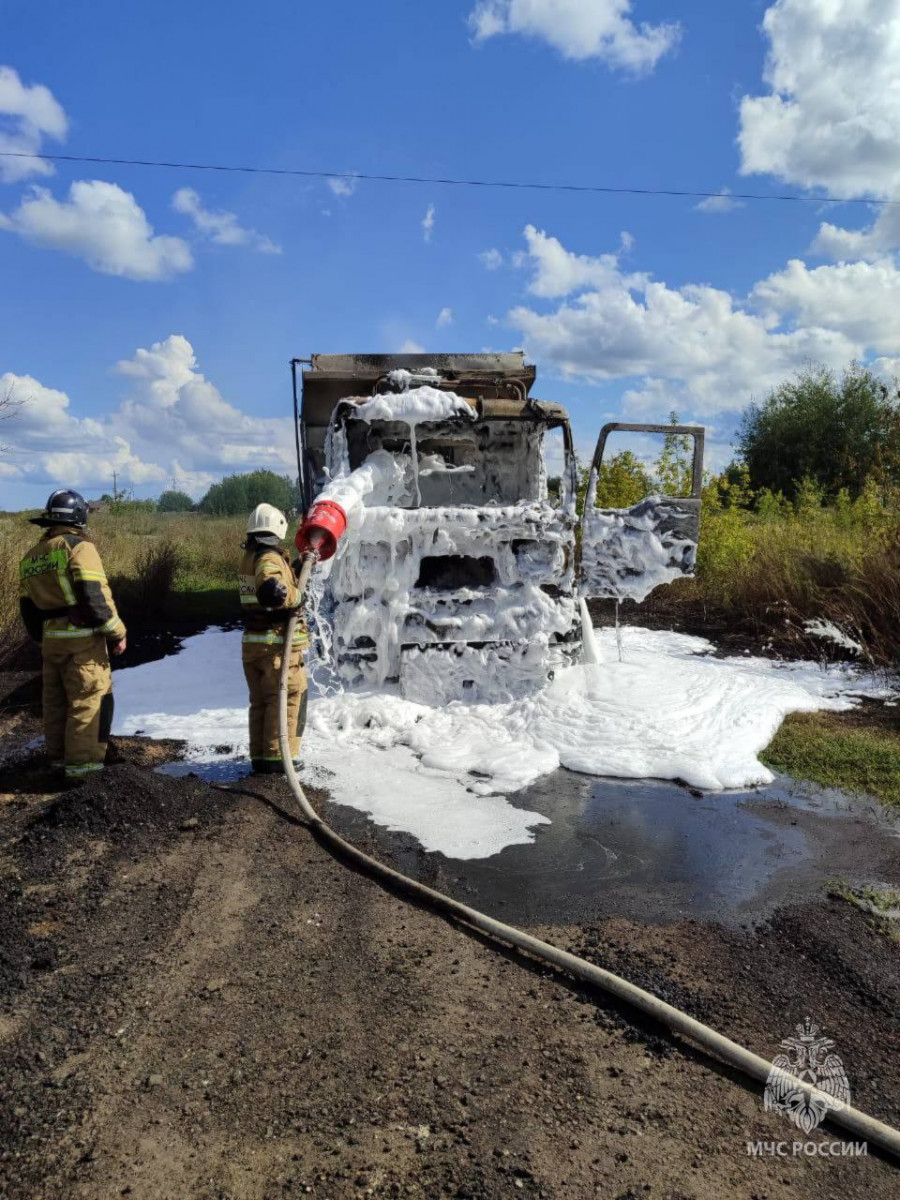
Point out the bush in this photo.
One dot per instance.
(772, 506)
(170, 502)
(120, 507)
(148, 589)
(238, 494)
(726, 547)
(622, 482)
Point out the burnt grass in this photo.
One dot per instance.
(197, 1000)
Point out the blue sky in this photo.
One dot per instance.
(629, 305)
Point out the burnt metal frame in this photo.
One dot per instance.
(697, 432)
(299, 438)
(304, 475)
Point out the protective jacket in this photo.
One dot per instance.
(67, 605)
(268, 591)
(64, 593)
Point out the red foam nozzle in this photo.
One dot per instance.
(327, 519)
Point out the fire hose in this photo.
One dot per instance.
(858, 1123)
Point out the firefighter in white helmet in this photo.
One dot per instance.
(268, 591)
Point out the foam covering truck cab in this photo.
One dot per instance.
(449, 525)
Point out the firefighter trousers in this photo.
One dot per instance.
(262, 669)
(78, 702)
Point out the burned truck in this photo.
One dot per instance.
(450, 559)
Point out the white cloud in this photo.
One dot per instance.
(872, 242)
(695, 347)
(860, 299)
(102, 224)
(202, 427)
(428, 223)
(889, 368)
(558, 271)
(491, 259)
(579, 29)
(722, 203)
(832, 111)
(48, 445)
(27, 116)
(444, 318)
(172, 421)
(221, 228)
(343, 185)
(408, 346)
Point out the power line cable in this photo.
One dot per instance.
(516, 184)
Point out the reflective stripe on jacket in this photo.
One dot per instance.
(268, 592)
(62, 583)
(275, 637)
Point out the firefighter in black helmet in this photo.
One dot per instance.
(67, 606)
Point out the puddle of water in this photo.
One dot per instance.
(646, 849)
(811, 798)
(651, 850)
(220, 770)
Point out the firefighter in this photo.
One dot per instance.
(67, 606)
(268, 590)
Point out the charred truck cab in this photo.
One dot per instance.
(457, 575)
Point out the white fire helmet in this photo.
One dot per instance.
(266, 518)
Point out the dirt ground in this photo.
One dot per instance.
(197, 1000)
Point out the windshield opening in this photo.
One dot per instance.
(461, 463)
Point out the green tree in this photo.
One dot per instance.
(868, 508)
(834, 433)
(236, 494)
(734, 485)
(174, 502)
(675, 466)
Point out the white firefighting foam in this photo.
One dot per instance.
(386, 623)
(441, 772)
(388, 479)
(626, 553)
(414, 406)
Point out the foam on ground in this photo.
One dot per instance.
(442, 773)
